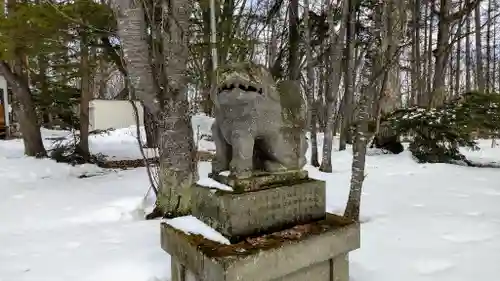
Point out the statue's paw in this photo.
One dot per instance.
(272, 167)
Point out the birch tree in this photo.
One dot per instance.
(311, 112)
(479, 48)
(334, 66)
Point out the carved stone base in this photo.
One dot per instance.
(261, 180)
(237, 215)
(316, 251)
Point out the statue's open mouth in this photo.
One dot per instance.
(246, 88)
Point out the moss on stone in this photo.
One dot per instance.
(262, 180)
(253, 245)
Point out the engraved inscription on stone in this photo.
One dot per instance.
(236, 214)
(277, 206)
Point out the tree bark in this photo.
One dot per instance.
(85, 97)
(311, 120)
(415, 69)
(488, 49)
(352, 209)
(24, 108)
(430, 72)
(468, 58)
(457, 65)
(441, 55)
(131, 25)
(293, 41)
(178, 169)
(349, 57)
(479, 48)
(150, 128)
(334, 66)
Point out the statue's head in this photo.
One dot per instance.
(243, 83)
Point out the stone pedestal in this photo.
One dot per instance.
(316, 251)
(278, 228)
(235, 215)
(262, 180)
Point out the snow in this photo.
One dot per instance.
(419, 221)
(121, 143)
(191, 225)
(210, 183)
(224, 173)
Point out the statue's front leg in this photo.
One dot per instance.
(222, 151)
(304, 145)
(242, 148)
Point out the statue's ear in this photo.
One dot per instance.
(290, 96)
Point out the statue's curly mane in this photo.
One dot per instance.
(247, 76)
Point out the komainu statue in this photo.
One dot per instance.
(259, 126)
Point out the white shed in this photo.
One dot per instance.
(105, 114)
(4, 101)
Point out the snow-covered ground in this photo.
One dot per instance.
(420, 221)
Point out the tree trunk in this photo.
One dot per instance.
(441, 55)
(311, 121)
(85, 97)
(457, 65)
(131, 26)
(451, 69)
(425, 70)
(493, 62)
(415, 69)
(443, 46)
(479, 57)
(210, 78)
(349, 57)
(488, 49)
(428, 93)
(273, 44)
(358, 161)
(46, 99)
(293, 41)
(332, 82)
(178, 170)
(468, 59)
(150, 128)
(24, 108)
